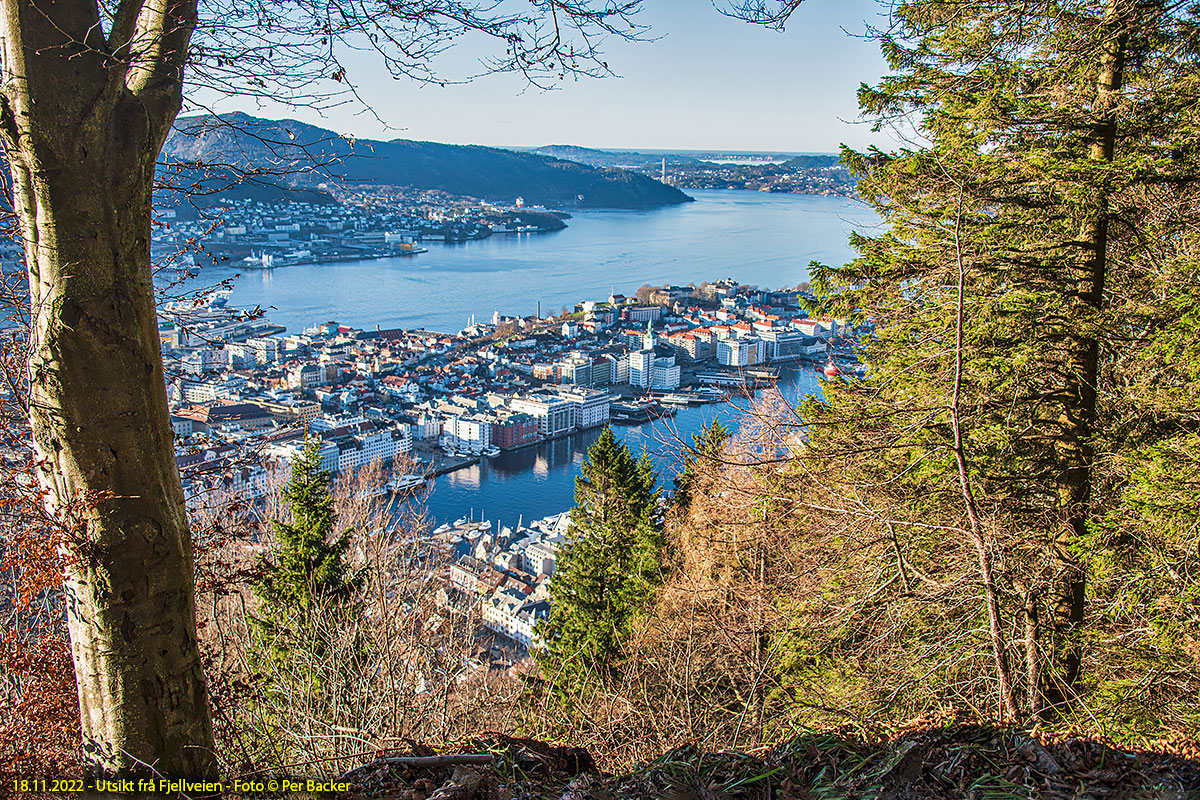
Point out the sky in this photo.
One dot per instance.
(707, 82)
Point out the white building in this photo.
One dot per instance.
(286, 451)
(325, 422)
(665, 376)
(819, 328)
(428, 427)
(470, 432)
(641, 368)
(352, 450)
(554, 415)
(619, 368)
(510, 613)
(591, 407)
(743, 352)
(576, 369)
(206, 359)
(206, 391)
(538, 557)
(786, 345)
(382, 444)
(266, 349)
(653, 367)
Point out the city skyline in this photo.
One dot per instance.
(703, 82)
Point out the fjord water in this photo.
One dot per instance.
(538, 481)
(752, 237)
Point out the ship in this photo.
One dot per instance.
(406, 483)
(263, 260)
(629, 413)
(372, 493)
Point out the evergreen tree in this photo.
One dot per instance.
(610, 566)
(1019, 295)
(307, 566)
(308, 562)
(706, 448)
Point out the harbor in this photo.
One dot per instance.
(536, 481)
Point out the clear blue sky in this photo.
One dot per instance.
(709, 82)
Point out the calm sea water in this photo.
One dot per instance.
(752, 237)
(539, 481)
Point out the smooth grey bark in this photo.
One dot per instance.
(83, 117)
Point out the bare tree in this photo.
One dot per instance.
(387, 664)
(89, 90)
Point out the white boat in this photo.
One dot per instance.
(677, 400)
(491, 451)
(260, 260)
(405, 483)
(373, 492)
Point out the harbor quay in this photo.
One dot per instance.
(245, 394)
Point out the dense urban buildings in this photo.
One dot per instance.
(245, 395)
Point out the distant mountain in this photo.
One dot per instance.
(813, 162)
(639, 160)
(610, 158)
(294, 155)
(763, 172)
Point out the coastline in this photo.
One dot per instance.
(372, 256)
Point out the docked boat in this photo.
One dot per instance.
(709, 394)
(629, 413)
(262, 260)
(405, 483)
(372, 493)
(679, 400)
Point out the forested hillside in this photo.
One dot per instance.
(969, 571)
(1000, 517)
(290, 153)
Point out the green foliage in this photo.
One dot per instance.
(1036, 323)
(706, 449)
(610, 566)
(304, 585)
(308, 563)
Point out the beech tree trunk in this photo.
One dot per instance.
(83, 121)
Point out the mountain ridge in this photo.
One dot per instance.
(297, 155)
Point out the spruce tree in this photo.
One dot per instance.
(305, 572)
(1032, 256)
(706, 448)
(308, 562)
(610, 566)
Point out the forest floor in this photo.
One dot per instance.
(961, 761)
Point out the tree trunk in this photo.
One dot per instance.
(81, 144)
(1068, 591)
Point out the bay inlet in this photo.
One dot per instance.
(753, 237)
